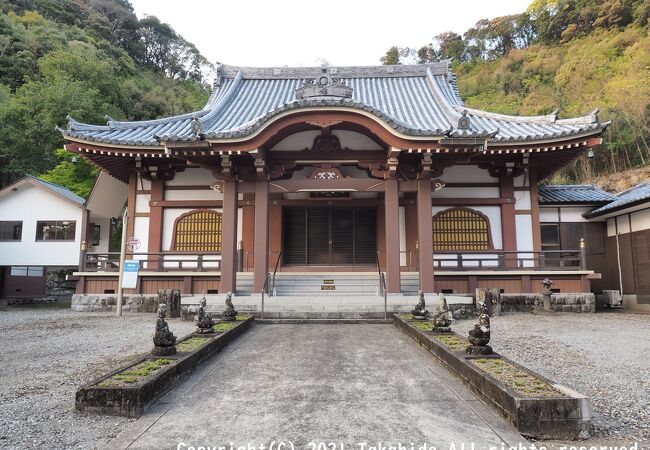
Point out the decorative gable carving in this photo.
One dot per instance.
(326, 143)
(324, 86)
(326, 174)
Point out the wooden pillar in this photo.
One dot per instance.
(534, 208)
(155, 221)
(85, 241)
(229, 238)
(261, 235)
(508, 224)
(425, 235)
(130, 203)
(391, 216)
(248, 231)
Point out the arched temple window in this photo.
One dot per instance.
(198, 231)
(461, 229)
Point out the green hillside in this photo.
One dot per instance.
(567, 54)
(86, 59)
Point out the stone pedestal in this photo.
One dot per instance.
(442, 330)
(479, 350)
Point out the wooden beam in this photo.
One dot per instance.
(306, 185)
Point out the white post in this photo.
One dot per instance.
(120, 293)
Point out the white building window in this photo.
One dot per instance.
(11, 230)
(26, 271)
(55, 230)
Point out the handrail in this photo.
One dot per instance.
(382, 286)
(154, 261)
(509, 260)
(275, 270)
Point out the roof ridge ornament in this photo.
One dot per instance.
(197, 126)
(594, 115)
(324, 86)
(463, 121)
(218, 76)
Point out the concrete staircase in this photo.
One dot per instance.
(318, 295)
(244, 283)
(326, 284)
(410, 283)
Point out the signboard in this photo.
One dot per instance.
(130, 278)
(328, 287)
(133, 243)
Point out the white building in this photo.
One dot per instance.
(41, 227)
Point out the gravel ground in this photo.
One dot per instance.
(605, 356)
(46, 354)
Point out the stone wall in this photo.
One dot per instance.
(577, 303)
(108, 302)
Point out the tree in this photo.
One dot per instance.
(166, 51)
(448, 45)
(72, 172)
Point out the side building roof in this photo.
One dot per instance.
(631, 197)
(573, 194)
(57, 189)
(415, 100)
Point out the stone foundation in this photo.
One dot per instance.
(460, 309)
(108, 302)
(577, 303)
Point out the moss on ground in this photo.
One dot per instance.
(241, 317)
(223, 326)
(452, 341)
(423, 325)
(191, 344)
(523, 382)
(135, 373)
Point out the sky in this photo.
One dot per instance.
(307, 33)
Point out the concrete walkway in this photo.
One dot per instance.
(320, 383)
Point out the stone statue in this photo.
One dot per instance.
(492, 300)
(203, 321)
(163, 340)
(479, 336)
(420, 312)
(174, 303)
(441, 320)
(229, 313)
(546, 298)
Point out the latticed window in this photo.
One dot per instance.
(461, 229)
(198, 231)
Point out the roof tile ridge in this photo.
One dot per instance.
(450, 112)
(74, 125)
(223, 101)
(543, 119)
(123, 125)
(307, 72)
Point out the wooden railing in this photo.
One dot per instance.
(503, 260)
(156, 262)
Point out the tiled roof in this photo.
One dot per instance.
(573, 193)
(65, 192)
(416, 100)
(627, 198)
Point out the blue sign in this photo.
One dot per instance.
(130, 276)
